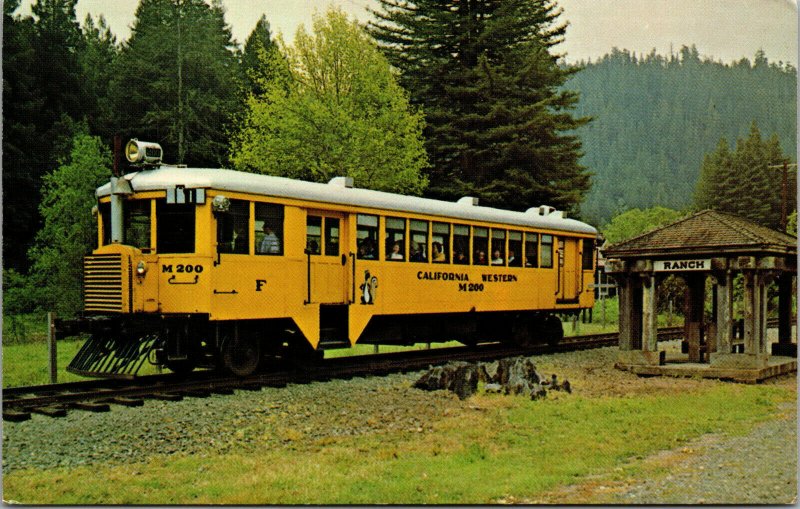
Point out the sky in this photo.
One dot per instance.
(725, 30)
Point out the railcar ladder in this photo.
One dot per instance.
(103, 356)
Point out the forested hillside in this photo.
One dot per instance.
(655, 118)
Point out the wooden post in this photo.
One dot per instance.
(625, 295)
(750, 312)
(693, 306)
(51, 347)
(649, 315)
(724, 306)
(785, 308)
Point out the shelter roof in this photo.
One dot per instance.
(708, 232)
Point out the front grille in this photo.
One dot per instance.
(102, 278)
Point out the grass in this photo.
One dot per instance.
(495, 448)
(28, 364)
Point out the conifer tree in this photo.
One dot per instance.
(498, 124)
(176, 80)
(257, 52)
(747, 181)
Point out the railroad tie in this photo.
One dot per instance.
(119, 400)
(90, 406)
(50, 411)
(164, 396)
(15, 415)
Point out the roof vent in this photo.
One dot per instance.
(341, 182)
(547, 211)
(470, 201)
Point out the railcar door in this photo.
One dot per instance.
(326, 243)
(569, 269)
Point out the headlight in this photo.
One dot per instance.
(143, 152)
(141, 268)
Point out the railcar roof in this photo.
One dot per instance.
(166, 177)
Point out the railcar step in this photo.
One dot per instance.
(331, 345)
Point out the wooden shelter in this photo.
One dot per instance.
(719, 246)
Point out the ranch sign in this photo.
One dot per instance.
(676, 265)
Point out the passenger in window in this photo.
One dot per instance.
(366, 251)
(270, 244)
(497, 258)
(313, 247)
(396, 253)
(417, 252)
(512, 259)
(480, 258)
(460, 258)
(438, 252)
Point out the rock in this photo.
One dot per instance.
(458, 377)
(493, 388)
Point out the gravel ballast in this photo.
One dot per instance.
(758, 467)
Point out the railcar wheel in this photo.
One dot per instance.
(241, 356)
(552, 331)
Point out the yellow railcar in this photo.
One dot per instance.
(213, 267)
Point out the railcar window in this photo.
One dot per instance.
(480, 245)
(531, 250)
(175, 227)
(461, 244)
(588, 254)
(514, 249)
(313, 234)
(136, 231)
(498, 247)
(547, 251)
(395, 238)
(269, 229)
(367, 237)
(440, 247)
(105, 218)
(331, 236)
(233, 228)
(418, 247)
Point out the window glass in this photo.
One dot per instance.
(136, 228)
(498, 247)
(514, 249)
(440, 244)
(233, 228)
(395, 238)
(418, 247)
(105, 218)
(313, 234)
(331, 236)
(269, 229)
(531, 250)
(461, 244)
(547, 251)
(480, 245)
(367, 237)
(175, 227)
(588, 254)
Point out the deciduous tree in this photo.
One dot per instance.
(333, 107)
(69, 231)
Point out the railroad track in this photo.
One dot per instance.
(101, 395)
